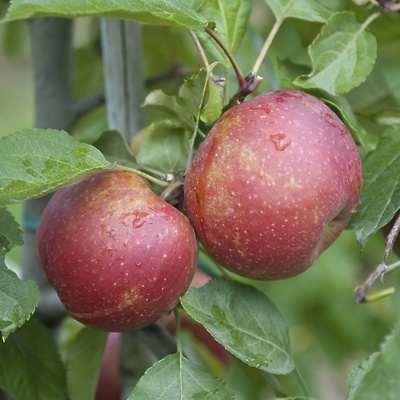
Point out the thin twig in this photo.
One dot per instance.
(173, 193)
(267, 44)
(382, 267)
(391, 239)
(200, 49)
(239, 75)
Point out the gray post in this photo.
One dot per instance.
(51, 45)
(123, 70)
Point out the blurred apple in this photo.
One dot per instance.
(109, 384)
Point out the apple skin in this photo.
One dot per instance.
(117, 255)
(273, 184)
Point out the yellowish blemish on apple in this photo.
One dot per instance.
(293, 184)
(128, 299)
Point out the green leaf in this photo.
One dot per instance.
(164, 147)
(10, 232)
(115, 149)
(380, 198)
(214, 104)
(231, 18)
(357, 373)
(83, 363)
(308, 10)
(244, 321)
(30, 366)
(171, 379)
(37, 161)
(343, 108)
(18, 300)
(192, 92)
(155, 12)
(343, 55)
(186, 106)
(169, 105)
(380, 380)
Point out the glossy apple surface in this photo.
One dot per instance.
(118, 256)
(273, 185)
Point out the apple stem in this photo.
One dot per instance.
(382, 268)
(150, 178)
(267, 44)
(301, 380)
(239, 75)
(178, 335)
(252, 83)
(199, 49)
(371, 18)
(178, 329)
(173, 193)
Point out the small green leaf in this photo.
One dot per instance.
(343, 55)
(244, 321)
(83, 363)
(192, 92)
(379, 378)
(18, 300)
(169, 379)
(10, 232)
(214, 105)
(30, 366)
(380, 198)
(308, 10)
(37, 161)
(231, 18)
(155, 12)
(169, 105)
(186, 106)
(115, 149)
(164, 147)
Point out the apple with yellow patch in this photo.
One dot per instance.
(118, 256)
(273, 184)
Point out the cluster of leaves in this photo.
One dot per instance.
(338, 64)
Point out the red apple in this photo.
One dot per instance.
(109, 384)
(273, 184)
(118, 256)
